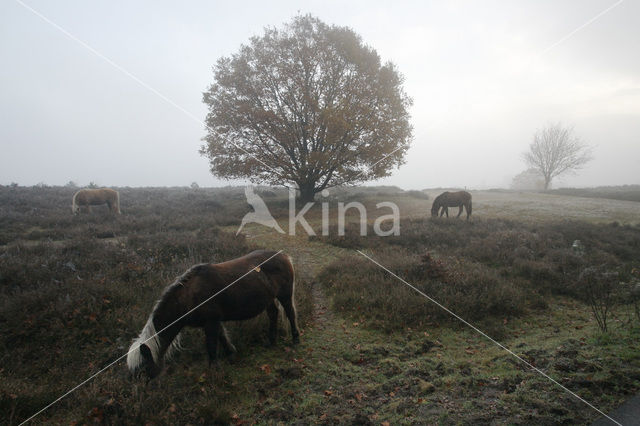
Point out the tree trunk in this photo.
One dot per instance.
(547, 182)
(307, 193)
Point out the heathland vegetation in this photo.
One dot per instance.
(562, 294)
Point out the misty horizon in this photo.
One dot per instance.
(483, 78)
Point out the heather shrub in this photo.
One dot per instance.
(74, 291)
(417, 194)
(469, 289)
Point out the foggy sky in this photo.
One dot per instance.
(484, 76)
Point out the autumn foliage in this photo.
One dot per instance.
(310, 105)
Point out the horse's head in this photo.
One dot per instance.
(140, 359)
(434, 208)
(145, 353)
(148, 365)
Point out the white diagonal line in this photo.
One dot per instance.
(589, 22)
(382, 159)
(136, 79)
(153, 336)
(500, 345)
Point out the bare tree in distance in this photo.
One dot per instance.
(555, 150)
(308, 104)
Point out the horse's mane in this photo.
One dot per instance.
(172, 288)
(149, 334)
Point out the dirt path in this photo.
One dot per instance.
(335, 383)
(309, 257)
(322, 314)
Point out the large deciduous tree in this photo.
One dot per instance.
(555, 150)
(310, 105)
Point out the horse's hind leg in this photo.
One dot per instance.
(461, 209)
(290, 311)
(272, 312)
(212, 332)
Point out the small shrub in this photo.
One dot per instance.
(597, 287)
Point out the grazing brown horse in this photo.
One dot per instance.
(208, 294)
(451, 199)
(96, 197)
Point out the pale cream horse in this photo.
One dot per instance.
(96, 197)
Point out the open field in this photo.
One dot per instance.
(76, 290)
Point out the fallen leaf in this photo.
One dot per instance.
(266, 368)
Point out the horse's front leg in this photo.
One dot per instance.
(272, 312)
(212, 333)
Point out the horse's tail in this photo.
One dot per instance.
(74, 205)
(280, 268)
(292, 272)
(118, 202)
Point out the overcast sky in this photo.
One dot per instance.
(483, 76)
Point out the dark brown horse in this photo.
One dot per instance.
(208, 294)
(451, 199)
(96, 197)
